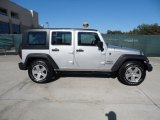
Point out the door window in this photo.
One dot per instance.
(61, 38)
(87, 39)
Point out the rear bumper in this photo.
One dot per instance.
(149, 67)
(22, 66)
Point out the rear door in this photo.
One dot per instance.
(61, 48)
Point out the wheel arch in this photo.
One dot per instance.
(124, 58)
(35, 56)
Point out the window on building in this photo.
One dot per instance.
(14, 15)
(3, 11)
(4, 28)
(87, 39)
(61, 38)
(15, 29)
(37, 38)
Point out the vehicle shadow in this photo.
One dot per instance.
(111, 115)
(83, 74)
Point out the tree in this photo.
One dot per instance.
(114, 32)
(143, 29)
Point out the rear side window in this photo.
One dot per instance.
(37, 38)
(61, 38)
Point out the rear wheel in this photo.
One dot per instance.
(40, 71)
(132, 73)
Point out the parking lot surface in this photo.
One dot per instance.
(76, 97)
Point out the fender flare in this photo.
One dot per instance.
(124, 58)
(44, 56)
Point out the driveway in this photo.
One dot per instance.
(76, 97)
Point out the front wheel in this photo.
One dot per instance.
(40, 71)
(132, 73)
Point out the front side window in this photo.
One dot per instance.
(61, 38)
(37, 38)
(87, 39)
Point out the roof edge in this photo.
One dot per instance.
(63, 29)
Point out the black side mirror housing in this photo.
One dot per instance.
(100, 45)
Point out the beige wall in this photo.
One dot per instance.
(27, 18)
(34, 18)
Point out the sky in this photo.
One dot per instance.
(103, 15)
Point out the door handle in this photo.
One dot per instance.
(79, 50)
(55, 50)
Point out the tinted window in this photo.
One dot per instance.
(15, 29)
(87, 39)
(14, 15)
(4, 28)
(37, 38)
(3, 11)
(61, 38)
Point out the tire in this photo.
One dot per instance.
(132, 73)
(40, 71)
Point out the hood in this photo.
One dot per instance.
(125, 50)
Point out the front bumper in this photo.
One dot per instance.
(149, 67)
(22, 66)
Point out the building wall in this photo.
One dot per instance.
(17, 16)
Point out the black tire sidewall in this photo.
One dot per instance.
(123, 69)
(46, 65)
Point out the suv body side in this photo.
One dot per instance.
(74, 56)
(46, 51)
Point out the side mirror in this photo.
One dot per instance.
(100, 45)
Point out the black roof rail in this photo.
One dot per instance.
(63, 28)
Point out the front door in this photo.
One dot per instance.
(61, 48)
(87, 54)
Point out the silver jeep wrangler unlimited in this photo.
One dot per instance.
(45, 52)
